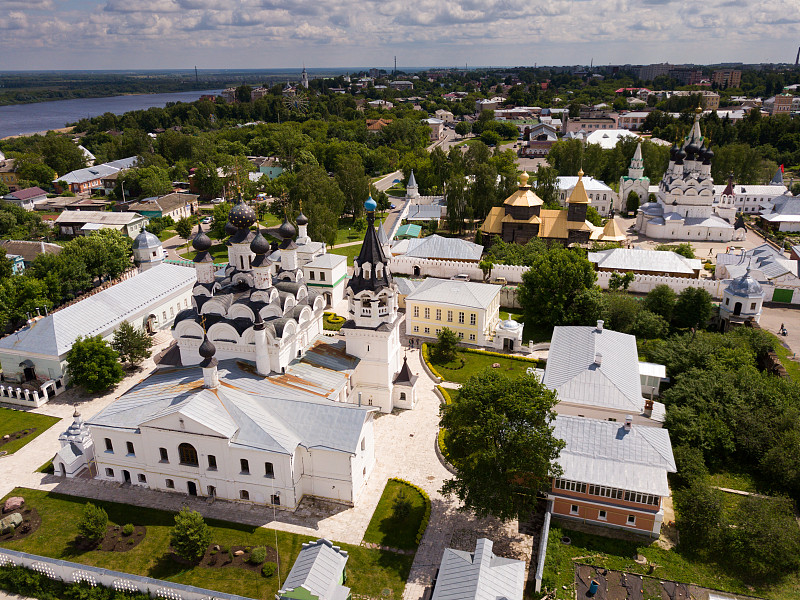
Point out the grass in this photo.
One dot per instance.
(219, 252)
(349, 251)
(734, 481)
(167, 234)
(12, 421)
(475, 363)
(385, 528)
(672, 565)
(792, 367)
(270, 220)
(369, 571)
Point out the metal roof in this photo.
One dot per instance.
(424, 212)
(318, 568)
(604, 453)
(567, 182)
(436, 246)
(586, 365)
(97, 216)
(636, 259)
(652, 369)
(100, 313)
(327, 261)
(405, 285)
(468, 294)
(479, 575)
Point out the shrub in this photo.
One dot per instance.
(426, 517)
(93, 523)
(427, 358)
(127, 529)
(190, 536)
(269, 569)
(257, 555)
(401, 507)
(691, 466)
(332, 322)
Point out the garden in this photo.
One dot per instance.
(401, 516)
(18, 427)
(467, 362)
(235, 558)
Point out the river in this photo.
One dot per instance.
(41, 116)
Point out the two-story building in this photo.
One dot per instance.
(28, 198)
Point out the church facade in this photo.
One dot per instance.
(634, 182)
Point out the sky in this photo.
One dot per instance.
(244, 34)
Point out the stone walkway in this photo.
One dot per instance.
(405, 448)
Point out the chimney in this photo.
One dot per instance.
(628, 422)
(598, 359)
(648, 408)
(599, 325)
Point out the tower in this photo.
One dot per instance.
(636, 170)
(147, 251)
(241, 218)
(304, 78)
(412, 189)
(288, 247)
(742, 300)
(302, 228)
(372, 333)
(578, 202)
(635, 182)
(261, 264)
(203, 261)
(77, 449)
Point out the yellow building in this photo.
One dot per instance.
(8, 174)
(470, 309)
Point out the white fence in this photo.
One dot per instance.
(644, 283)
(70, 572)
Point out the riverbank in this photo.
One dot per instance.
(59, 130)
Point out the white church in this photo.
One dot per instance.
(263, 409)
(684, 208)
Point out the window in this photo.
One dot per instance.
(170, 484)
(416, 311)
(129, 446)
(460, 317)
(601, 515)
(573, 510)
(245, 466)
(322, 276)
(311, 275)
(187, 455)
(164, 455)
(275, 499)
(427, 313)
(244, 495)
(416, 328)
(141, 477)
(402, 399)
(473, 319)
(438, 330)
(438, 314)
(109, 472)
(212, 462)
(427, 330)
(269, 470)
(109, 445)
(164, 314)
(631, 519)
(449, 316)
(364, 441)
(461, 335)
(171, 312)
(752, 306)
(472, 337)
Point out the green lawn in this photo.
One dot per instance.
(218, 251)
(369, 571)
(734, 481)
(475, 362)
(385, 528)
(166, 234)
(530, 333)
(792, 367)
(270, 220)
(12, 421)
(349, 251)
(673, 565)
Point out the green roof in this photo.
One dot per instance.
(409, 231)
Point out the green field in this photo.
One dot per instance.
(349, 251)
(475, 362)
(13, 421)
(370, 572)
(218, 251)
(672, 565)
(385, 528)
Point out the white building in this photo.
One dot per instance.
(437, 128)
(147, 251)
(28, 198)
(608, 138)
(742, 300)
(778, 275)
(479, 575)
(600, 195)
(783, 214)
(748, 199)
(327, 274)
(34, 358)
(684, 207)
(635, 182)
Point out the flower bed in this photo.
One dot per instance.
(332, 322)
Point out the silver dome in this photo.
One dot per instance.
(746, 286)
(146, 240)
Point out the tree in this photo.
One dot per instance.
(550, 287)
(486, 266)
(93, 523)
(190, 536)
(619, 281)
(661, 301)
(184, 228)
(547, 186)
(463, 127)
(499, 436)
(691, 467)
(6, 266)
(593, 216)
(353, 182)
(132, 344)
(446, 348)
(220, 218)
(648, 325)
(632, 203)
(323, 202)
(3, 189)
(93, 364)
(692, 308)
(699, 515)
(243, 93)
(621, 310)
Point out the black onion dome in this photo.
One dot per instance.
(207, 349)
(259, 245)
(708, 156)
(691, 150)
(286, 230)
(679, 156)
(201, 241)
(302, 219)
(230, 228)
(241, 215)
(673, 152)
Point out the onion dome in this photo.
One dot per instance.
(691, 151)
(146, 240)
(708, 156)
(259, 245)
(673, 152)
(201, 241)
(679, 156)
(745, 285)
(302, 219)
(241, 215)
(207, 349)
(230, 228)
(286, 230)
(370, 205)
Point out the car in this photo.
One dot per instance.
(499, 281)
(460, 277)
(392, 206)
(218, 201)
(207, 221)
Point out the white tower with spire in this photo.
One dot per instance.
(412, 189)
(304, 78)
(635, 181)
(372, 333)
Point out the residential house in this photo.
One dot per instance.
(614, 474)
(539, 139)
(490, 104)
(780, 104)
(437, 128)
(444, 115)
(267, 165)
(401, 85)
(479, 575)
(381, 104)
(91, 178)
(229, 95)
(783, 214)
(177, 205)
(727, 78)
(661, 263)
(375, 125)
(27, 198)
(470, 309)
(8, 172)
(27, 250)
(34, 358)
(318, 573)
(590, 124)
(632, 120)
(600, 195)
(80, 222)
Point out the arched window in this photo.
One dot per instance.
(244, 495)
(188, 455)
